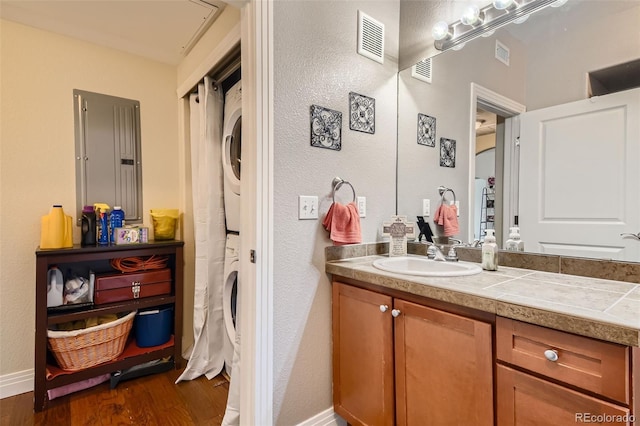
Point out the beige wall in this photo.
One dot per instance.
(39, 72)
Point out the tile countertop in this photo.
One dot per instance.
(603, 309)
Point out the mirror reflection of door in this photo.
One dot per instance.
(489, 173)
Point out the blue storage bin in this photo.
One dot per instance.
(153, 327)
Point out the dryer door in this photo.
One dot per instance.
(231, 153)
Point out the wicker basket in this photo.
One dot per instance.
(79, 349)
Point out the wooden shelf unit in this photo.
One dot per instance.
(97, 259)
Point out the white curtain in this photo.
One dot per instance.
(206, 108)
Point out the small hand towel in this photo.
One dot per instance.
(447, 216)
(343, 224)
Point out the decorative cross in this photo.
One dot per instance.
(398, 229)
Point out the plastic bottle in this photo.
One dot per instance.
(88, 227)
(514, 242)
(102, 212)
(56, 229)
(490, 252)
(116, 220)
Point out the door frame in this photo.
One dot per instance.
(256, 200)
(508, 108)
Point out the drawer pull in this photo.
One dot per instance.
(395, 313)
(384, 308)
(551, 355)
(135, 289)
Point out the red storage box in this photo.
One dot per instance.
(119, 287)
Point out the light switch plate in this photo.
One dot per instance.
(307, 207)
(362, 206)
(426, 207)
(458, 207)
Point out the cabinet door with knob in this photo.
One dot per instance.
(444, 367)
(398, 362)
(362, 356)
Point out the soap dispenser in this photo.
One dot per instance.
(490, 252)
(514, 242)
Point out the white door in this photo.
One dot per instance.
(579, 177)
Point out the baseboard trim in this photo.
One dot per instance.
(16, 383)
(326, 418)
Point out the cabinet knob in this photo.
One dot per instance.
(551, 355)
(384, 308)
(395, 312)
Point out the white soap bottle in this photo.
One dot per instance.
(514, 242)
(490, 252)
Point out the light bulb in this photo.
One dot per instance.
(441, 31)
(471, 15)
(502, 4)
(458, 46)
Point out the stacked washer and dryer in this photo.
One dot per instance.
(231, 161)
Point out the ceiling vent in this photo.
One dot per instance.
(370, 37)
(423, 70)
(502, 53)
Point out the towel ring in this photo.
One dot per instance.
(337, 183)
(443, 190)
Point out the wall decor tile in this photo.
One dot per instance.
(326, 128)
(362, 113)
(426, 130)
(447, 152)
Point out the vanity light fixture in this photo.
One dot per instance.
(441, 31)
(480, 21)
(471, 16)
(504, 4)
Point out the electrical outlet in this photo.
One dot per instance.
(426, 207)
(458, 207)
(362, 206)
(307, 207)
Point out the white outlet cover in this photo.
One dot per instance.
(308, 207)
(426, 207)
(362, 206)
(458, 207)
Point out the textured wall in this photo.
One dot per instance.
(37, 165)
(315, 62)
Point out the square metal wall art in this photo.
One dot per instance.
(447, 152)
(362, 113)
(426, 130)
(326, 128)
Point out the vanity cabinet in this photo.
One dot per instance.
(549, 377)
(400, 362)
(80, 261)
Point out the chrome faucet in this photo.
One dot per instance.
(434, 252)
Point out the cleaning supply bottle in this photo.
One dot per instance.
(490, 252)
(514, 242)
(88, 227)
(56, 229)
(102, 212)
(116, 220)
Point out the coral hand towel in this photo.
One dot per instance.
(447, 216)
(343, 224)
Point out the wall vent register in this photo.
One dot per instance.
(370, 37)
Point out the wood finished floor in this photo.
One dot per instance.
(150, 400)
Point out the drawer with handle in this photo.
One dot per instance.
(590, 364)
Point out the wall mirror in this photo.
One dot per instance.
(566, 167)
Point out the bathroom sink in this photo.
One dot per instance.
(424, 267)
